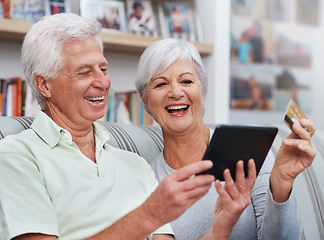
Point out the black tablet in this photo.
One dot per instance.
(231, 143)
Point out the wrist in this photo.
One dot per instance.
(149, 220)
(280, 188)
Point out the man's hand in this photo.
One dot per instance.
(177, 192)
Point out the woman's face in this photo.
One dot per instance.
(175, 97)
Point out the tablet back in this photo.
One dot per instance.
(231, 143)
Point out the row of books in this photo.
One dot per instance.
(126, 108)
(12, 96)
(123, 107)
(163, 18)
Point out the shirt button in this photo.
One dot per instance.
(66, 136)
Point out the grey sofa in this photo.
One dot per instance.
(147, 142)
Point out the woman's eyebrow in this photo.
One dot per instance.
(185, 73)
(158, 77)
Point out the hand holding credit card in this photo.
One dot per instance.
(293, 114)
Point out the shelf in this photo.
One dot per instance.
(14, 31)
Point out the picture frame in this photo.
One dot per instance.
(252, 87)
(177, 20)
(57, 6)
(141, 18)
(307, 12)
(32, 11)
(110, 13)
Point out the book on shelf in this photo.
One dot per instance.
(31, 10)
(57, 6)
(127, 108)
(3, 92)
(16, 98)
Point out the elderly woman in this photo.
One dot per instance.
(172, 84)
(60, 179)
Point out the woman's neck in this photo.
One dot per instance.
(183, 149)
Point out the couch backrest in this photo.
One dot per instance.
(147, 142)
(143, 140)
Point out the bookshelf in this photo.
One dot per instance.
(14, 31)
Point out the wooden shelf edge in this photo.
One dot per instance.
(11, 30)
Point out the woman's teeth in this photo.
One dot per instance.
(171, 109)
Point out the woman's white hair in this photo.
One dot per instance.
(43, 45)
(160, 55)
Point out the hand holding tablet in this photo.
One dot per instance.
(231, 143)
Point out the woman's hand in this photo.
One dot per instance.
(294, 156)
(233, 198)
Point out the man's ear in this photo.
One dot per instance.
(41, 84)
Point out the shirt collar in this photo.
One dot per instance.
(52, 134)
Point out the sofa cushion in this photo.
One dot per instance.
(147, 142)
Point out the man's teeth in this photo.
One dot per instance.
(95, 99)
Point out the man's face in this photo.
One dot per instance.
(79, 94)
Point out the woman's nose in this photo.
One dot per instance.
(175, 91)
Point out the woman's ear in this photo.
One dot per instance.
(41, 85)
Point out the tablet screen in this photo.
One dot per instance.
(231, 143)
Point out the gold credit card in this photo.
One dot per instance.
(293, 114)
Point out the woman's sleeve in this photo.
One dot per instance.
(274, 221)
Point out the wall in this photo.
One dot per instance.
(314, 36)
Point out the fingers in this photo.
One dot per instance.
(239, 173)
(251, 173)
(183, 185)
(302, 145)
(242, 185)
(308, 126)
(305, 129)
(192, 169)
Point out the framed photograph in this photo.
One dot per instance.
(141, 18)
(177, 20)
(32, 10)
(57, 6)
(252, 87)
(111, 14)
(241, 7)
(307, 12)
(293, 46)
(293, 83)
(278, 10)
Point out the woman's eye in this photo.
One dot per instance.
(160, 85)
(187, 81)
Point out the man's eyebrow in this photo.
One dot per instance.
(104, 63)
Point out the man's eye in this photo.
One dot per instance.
(84, 73)
(104, 70)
